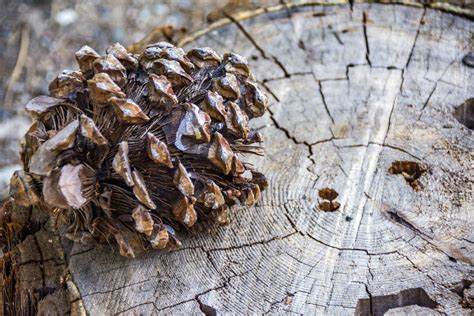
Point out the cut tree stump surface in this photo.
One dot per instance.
(354, 91)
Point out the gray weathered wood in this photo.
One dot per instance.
(348, 99)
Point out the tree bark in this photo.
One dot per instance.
(362, 102)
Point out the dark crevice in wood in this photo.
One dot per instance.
(397, 217)
(364, 28)
(289, 136)
(257, 46)
(209, 257)
(420, 23)
(379, 305)
(269, 91)
(263, 242)
(324, 100)
(206, 309)
(286, 300)
(117, 288)
(136, 306)
(465, 113)
(40, 253)
(350, 249)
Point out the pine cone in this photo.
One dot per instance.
(131, 147)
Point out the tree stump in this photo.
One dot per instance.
(369, 207)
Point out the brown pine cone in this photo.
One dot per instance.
(131, 147)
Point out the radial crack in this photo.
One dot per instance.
(255, 44)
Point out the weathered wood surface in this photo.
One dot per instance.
(350, 95)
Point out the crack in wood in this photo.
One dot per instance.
(366, 38)
(255, 44)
